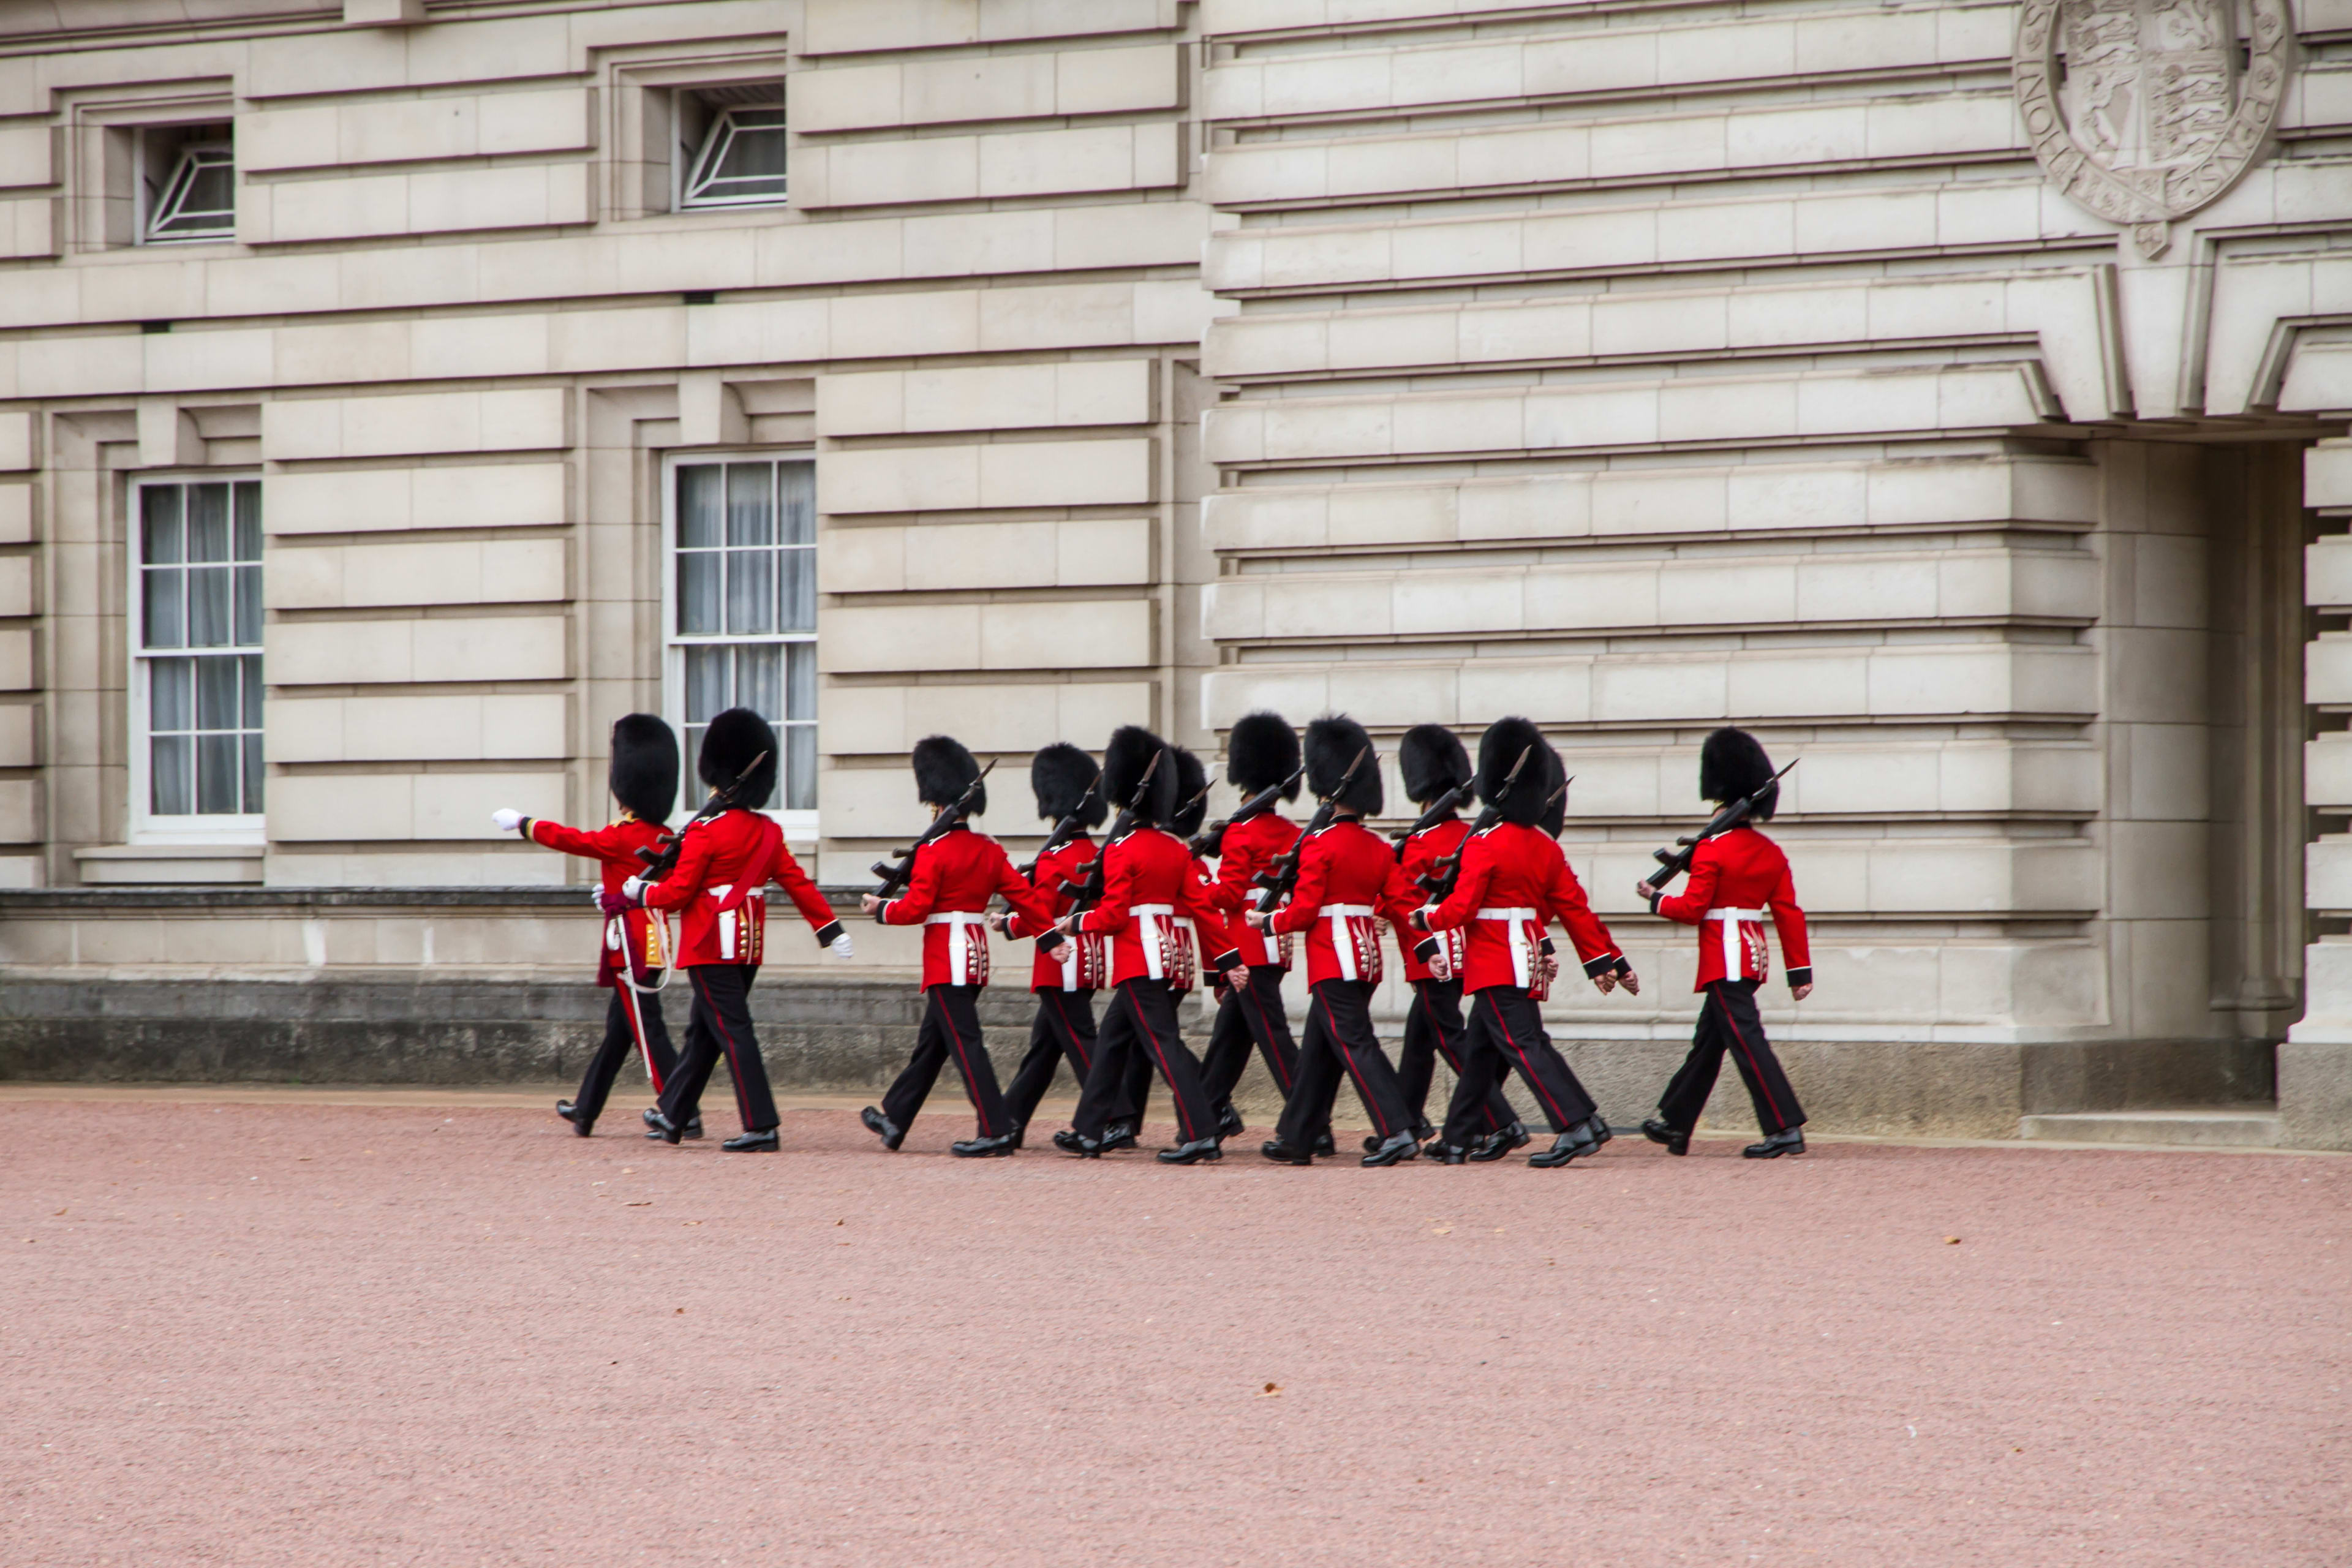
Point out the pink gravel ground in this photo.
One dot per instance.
(324, 1335)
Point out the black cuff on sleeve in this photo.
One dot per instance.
(1550, 947)
(1801, 978)
(1426, 950)
(1625, 965)
(1050, 941)
(828, 933)
(1230, 959)
(1602, 965)
(524, 828)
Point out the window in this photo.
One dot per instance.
(188, 184)
(743, 608)
(196, 650)
(731, 147)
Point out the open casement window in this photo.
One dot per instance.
(731, 147)
(189, 184)
(196, 656)
(742, 612)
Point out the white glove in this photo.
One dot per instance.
(841, 950)
(506, 818)
(634, 889)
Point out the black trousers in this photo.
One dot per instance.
(1064, 1030)
(1727, 1020)
(1505, 1036)
(631, 1022)
(1432, 1028)
(1250, 1014)
(720, 1020)
(1141, 1018)
(1341, 1043)
(950, 1032)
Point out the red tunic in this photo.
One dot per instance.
(1148, 887)
(1735, 877)
(633, 934)
(1422, 851)
(721, 882)
(955, 875)
(1075, 964)
(1249, 848)
(1515, 882)
(1343, 879)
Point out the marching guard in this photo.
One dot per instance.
(643, 779)
(953, 876)
(1735, 877)
(1261, 754)
(1513, 883)
(726, 857)
(1063, 778)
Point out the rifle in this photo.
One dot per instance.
(661, 856)
(1069, 827)
(1673, 863)
(1280, 878)
(896, 877)
(1439, 879)
(1209, 843)
(1085, 893)
(1439, 810)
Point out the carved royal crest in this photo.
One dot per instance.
(2144, 110)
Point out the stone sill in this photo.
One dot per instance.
(151, 865)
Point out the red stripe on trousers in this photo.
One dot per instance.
(1184, 1121)
(1534, 1081)
(742, 1105)
(1331, 1026)
(1755, 1071)
(963, 1063)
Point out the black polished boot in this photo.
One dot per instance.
(1598, 1126)
(1447, 1153)
(1323, 1144)
(1399, 1147)
(1019, 1135)
(666, 1130)
(985, 1148)
(1069, 1142)
(1657, 1131)
(693, 1128)
(763, 1141)
(1283, 1154)
(1788, 1141)
(1573, 1144)
(1116, 1136)
(1228, 1121)
(1501, 1141)
(569, 1112)
(882, 1127)
(1198, 1152)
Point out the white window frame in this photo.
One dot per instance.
(686, 163)
(145, 217)
(799, 827)
(146, 827)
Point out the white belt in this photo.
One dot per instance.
(1519, 918)
(958, 922)
(1151, 938)
(1341, 942)
(1733, 969)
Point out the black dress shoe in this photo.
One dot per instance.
(1399, 1147)
(1573, 1144)
(1657, 1131)
(666, 1130)
(569, 1112)
(1323, 1144)
(1787, 1141)
(1283, 1154)
(1116, 1136)
(1598, 1125)
(882, 1127)
(1019, 1135)
(1447, 1153)
(984, 1148)
(1068, 1141)
(1198, 1152)
(1228, 1121)
(762, 1142)
(693, 1128)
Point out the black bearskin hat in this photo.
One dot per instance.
(1262, 752)
(1059, 775)
(1499, 748)
(943, 771)
(1333, 741)
(1130, 750)
(1732, 765)
(1432, 759)
(1555, 810)
(740, 744)
(644, 775)
(1191, 793)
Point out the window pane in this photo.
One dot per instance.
(252, 775)
(159, 525)
(171, 763)
(698, 591)
(163, 613)
(690, 776)
(796, 503)
(220, 773)
(697, 506)
(759, 681)
(212, 190)
(249, 519)
(800, 693)
(751, 590)
(800, 767)
(249, 673)
(207, 522)
(170, 694)
(217, 680)
(799, 569)
(248, 606)
(707, 684)
(742, 158)
(208, 618)
(750, 503)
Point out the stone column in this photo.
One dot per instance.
(2315, 1065)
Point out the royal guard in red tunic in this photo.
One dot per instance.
(1261, 753)
(949, 887)
(1514, 882)
(726, 857)
(635, 951)
(1148, 896)
(1735, 879)
(1066, 979)
(1434, 764)
(1343, 874)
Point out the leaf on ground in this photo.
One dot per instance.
(1271, 1391)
